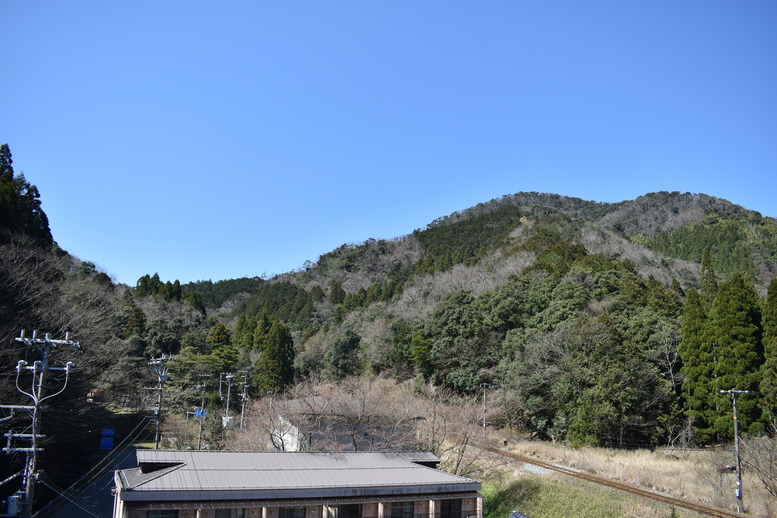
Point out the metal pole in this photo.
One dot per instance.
(32, 460)
(159, 366)
(158, 433)
(740, 501)
(229, 377)
(202, 417)
(203, 388)
(37, 393)
(243, 402)
(199, 435)
(484, 385)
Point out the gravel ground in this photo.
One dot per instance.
(537, 470)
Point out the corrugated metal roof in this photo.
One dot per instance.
(280, 460)
(278, 473)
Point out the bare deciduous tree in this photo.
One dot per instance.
(451, 429)
(375, 415)
(760, 455)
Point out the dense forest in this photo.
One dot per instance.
(591, 323)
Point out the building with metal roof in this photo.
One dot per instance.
(221, 484)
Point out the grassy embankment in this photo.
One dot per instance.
(689, 475)
(551, 496)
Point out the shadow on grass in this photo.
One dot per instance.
(502, 497)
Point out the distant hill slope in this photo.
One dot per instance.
(660, 236)
(663, 233)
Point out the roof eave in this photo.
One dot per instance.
(297, 493)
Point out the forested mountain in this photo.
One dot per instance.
(595, 323)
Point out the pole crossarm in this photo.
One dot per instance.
(12, 408)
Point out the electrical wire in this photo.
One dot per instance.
(106, 461)
(117, 452)
(85, 509)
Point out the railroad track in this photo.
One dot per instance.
(681, 504)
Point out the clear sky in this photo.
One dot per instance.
(215, 140)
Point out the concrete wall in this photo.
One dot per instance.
(469, 507)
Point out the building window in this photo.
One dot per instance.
(402, 509)
(345, 511)
(230, 513)
(291, 512)
(162, 514)
(450, 509)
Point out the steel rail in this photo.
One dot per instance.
(682, 504)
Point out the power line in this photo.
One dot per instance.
(103, 465)
(85, 509)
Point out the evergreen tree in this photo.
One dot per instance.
(243, 336)
(6, 167)
(219, 336)
(677, 288)
(401, 338)
(221, 340)
(20, 209)
(149, 285)
(135, 323)
(709, 281)
(769, 381)
(172, 290)
(735, 321)
(616, 402)
(336, 292)
(342, 358)
(421, 354)
(698, 365)
(275, 368)
(261, 328)
(194, 299)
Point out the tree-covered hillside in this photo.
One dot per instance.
(588, 322)
(571, 309)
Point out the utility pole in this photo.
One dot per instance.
(244, 397)
(228, 377)
(159, 367)
(37, 393)
(203, 387)
(740, 504)
(484, 385)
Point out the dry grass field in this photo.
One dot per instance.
(692, 475)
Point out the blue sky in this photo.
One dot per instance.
(239, 138)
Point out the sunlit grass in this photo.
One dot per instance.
(553, 497)
(691, 475)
